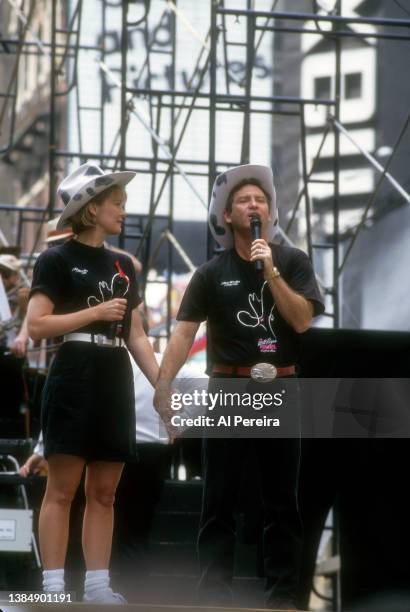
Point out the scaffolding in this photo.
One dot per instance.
(163, 117)
(165, 114)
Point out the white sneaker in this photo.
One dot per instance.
(105, 596)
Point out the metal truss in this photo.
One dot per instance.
(165, 114)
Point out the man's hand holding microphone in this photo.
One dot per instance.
(261, 253)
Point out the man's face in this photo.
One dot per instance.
(9, 278)
(248, 201)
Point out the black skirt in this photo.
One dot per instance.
(88, 404)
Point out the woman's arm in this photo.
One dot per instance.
(141, 349)
(42, 323)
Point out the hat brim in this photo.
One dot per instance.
(9, 268)
(58, 236)
(93, 187)
(223, 185)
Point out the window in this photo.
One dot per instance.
(323, 88)
(353, 85)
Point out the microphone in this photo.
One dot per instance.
(120, 286)
(256, 226)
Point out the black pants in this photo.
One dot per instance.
(11, 384)
(137, 496)
(277, 463)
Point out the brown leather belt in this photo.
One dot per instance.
(221, 368)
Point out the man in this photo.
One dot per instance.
(252, 317)
(13, 305)
(17, 294)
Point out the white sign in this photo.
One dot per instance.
(16, 528)
(7, 530)
(5, 312)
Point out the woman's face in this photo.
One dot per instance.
(110, 214)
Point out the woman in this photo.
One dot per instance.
(87, 294)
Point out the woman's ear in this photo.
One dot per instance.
(92, 208)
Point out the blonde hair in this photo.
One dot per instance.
(83, 219)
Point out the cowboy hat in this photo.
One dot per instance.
(53, 234)
(223, 185)
(10, 263)
(83, 184)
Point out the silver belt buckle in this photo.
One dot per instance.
(263, 372)
(100, 340)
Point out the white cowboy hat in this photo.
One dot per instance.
(53, 234)
(9, 262)
(83, 184)
(223, 185)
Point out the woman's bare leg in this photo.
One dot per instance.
(102, 478)
(64, 475)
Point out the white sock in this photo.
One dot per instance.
(53, 581)
(96, 580)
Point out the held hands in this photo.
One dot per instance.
(113, 310)
(162, 404)
(162, 400)
(261, 250)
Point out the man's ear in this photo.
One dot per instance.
(227, 216)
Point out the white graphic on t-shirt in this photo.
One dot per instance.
(80, 271)
(256, 316)
(106, 291)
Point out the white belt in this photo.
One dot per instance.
(98, 339)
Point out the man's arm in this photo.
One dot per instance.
(175, 356)
(35, 464)
(294, 308)
(178, 349)
(19, 346)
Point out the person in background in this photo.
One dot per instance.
(17, 294)
(135, 262)
(54, 238)
(14, 297)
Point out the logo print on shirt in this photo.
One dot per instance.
(255, 317)
(107, 289)
(231, 283)
(79, 271)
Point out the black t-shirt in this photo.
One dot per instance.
(244, 325)
(76, 276)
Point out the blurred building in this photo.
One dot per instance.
(374, 102)
(88, 118)
(24, 112)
